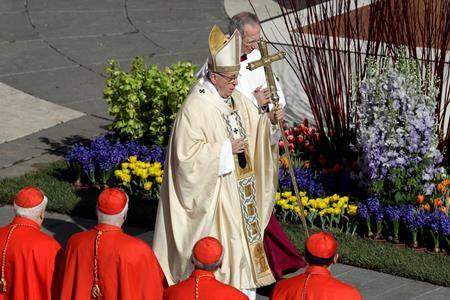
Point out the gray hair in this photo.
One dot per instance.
(116, 219)
(240, 20)
(32, 212)
(211, 267)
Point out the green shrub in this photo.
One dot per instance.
(144, 101)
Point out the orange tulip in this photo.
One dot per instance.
(420, 199)
(443, 209)
(441, 188)
(426, 207)
(284, 162)
(438, 202)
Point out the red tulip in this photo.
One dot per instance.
(286, 132)
(281, 144)
(291, 147)
(306, 144)
(290, 138)
(300, 139)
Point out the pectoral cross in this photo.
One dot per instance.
(266, 62)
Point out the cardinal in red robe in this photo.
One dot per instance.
(316, 283)
(201, 285)
(105, 263)
(29, 257)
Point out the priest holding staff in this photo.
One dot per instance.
(219, 176)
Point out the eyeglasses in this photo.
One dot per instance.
(229, 79)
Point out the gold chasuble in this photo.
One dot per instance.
(197, 202)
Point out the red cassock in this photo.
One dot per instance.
(208, 288)
(126, 266)
(320, 285)
(32, 258)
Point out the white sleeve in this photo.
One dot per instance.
(226, 161)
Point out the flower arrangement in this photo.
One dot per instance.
(139, 176)
(97, 163)
(333, 212)
(396, 132)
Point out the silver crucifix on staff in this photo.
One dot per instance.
(266, 62)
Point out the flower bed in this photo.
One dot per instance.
(107, 161)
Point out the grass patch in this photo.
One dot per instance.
(385, 258)
(56, 181)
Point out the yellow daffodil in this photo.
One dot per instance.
(286, 194)
(148, 185)
(126, 178)
(277, 196)
(132, 159)
(125, 165)
(159, 179)
(157, 165)
(352, 209)
(304, 200)
(321, 205)
(118, 173)
(126, 171)
(302, 194)
(337, 211)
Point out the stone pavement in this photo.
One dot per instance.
(57, 50)
(373, 285)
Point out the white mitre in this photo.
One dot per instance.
(224, 52)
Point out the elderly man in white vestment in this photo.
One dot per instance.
(282, 254)
(219, 176)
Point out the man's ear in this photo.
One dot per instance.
(213, 77)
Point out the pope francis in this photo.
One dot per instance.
(219, 176)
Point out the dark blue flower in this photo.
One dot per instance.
(373, 204)
(363, 211)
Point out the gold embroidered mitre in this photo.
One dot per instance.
(224, 52)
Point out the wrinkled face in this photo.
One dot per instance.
(251, 37)
(225, 83)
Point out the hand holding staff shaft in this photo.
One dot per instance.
(266, 62)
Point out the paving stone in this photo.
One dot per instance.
(199, 5)
(11, 6)
(91, 124)
(85, 23)
(381, 284)
(23, 114)
(442, 293)
(25, 56)
(53, 5)
(174, 20)
(60, 138)
(95, 107)
(33, 164)
(12, 153)
(97, 49)
(411, 290)
(15, 27)
(59, 86)
(340, 269)
(359, 277)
